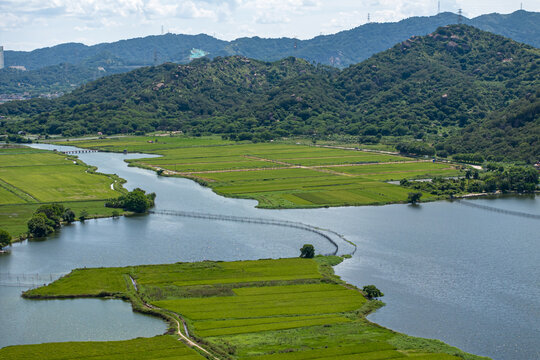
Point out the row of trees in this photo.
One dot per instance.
(496, 177)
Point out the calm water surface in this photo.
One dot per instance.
(467, 276)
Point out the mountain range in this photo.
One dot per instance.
(340, 50)
(454, 84)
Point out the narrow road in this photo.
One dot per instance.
(175, 317)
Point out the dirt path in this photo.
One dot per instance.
(175, 317)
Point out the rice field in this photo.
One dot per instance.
(156, 348)
(263, 309)
(30, 177)
(282, 175)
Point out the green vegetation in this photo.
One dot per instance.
(31, 180)
(495, 178)
(58, 67)
(156, 348)
(265, 309)
(372, 292)
(307, 251)
(414, 197)
(5, 238)
(430, 90)
(279, 175)
(137, 201)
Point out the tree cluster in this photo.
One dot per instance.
(47, 218)
(5, 238)
(137, 201)
(496, 177)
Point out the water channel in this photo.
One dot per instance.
(467, 276)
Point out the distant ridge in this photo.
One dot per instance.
(341, 49)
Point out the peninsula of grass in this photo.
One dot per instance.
(280, 175)
(264, 309)
(30, 178)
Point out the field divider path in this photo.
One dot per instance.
(324, 233)
(177, 318)
(23, 195)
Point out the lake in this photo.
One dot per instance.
(467, 276)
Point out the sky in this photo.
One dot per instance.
(31, 24)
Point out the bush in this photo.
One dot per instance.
(5, 238)
(39, 225)
(307, 251)
(372, 292)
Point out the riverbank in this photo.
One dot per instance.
(280, 175)
(239, 310)
(31, 177)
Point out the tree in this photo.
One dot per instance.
(68, 216)
(414, 197)
(136, 201)
(372, 292)
(307, 251)
(53, 212)
(83, 215)
(39, 225)
(5, 238)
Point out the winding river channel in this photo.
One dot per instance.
(465, 275)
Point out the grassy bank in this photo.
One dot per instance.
(280, 175)
(265, 309)
(31, 177)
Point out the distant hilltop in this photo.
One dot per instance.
(64, 67)
(341, 49)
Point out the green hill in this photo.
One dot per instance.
(427, 87)
(66, 66)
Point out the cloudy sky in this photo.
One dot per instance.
(31, 24)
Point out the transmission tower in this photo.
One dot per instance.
(368, 18)
(460, 16)
(438, 7)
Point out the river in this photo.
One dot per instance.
(467, 276)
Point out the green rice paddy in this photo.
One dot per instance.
(281, 175)
(156, 348)
(30, 177)
(264, 309)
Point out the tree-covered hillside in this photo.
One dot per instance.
(74, 64)
(430, 87)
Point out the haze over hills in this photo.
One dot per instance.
(432, 87)
(339, 50)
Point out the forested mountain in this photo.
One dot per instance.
(339, 50)
(433, 87)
